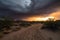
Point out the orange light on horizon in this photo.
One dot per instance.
(54, 15)
(38, 18)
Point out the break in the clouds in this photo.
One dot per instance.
(21, 7)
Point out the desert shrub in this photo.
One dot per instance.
(5, 23)
(1, 34)
(25, 24)
(57, 24)
(51, 24)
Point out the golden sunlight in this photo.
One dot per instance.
(54, 15)
(39, 18)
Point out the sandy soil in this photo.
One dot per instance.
(33, 33)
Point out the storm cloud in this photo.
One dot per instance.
(26, 8)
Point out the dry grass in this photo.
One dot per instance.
(33, 33)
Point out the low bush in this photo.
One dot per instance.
(51, 25)
(25, 24)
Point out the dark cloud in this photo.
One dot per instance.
(44, 6)
(16, 5)
(26, 8)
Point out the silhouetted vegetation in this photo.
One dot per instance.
(52, 25)
(25, 24)
(5, 23)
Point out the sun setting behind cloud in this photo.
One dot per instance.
(38, 18)
(54, 15)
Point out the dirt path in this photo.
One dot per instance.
(33, 33)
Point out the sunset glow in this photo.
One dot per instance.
(54, 15)
(39, 18)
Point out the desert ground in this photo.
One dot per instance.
(33, 32)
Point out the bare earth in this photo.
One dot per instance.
(33, 33)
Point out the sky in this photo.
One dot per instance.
(24, 9)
